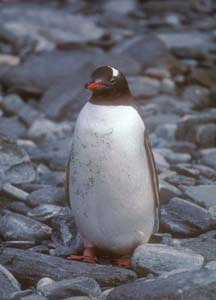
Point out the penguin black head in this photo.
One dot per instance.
(108, 84)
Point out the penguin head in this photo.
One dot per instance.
(108, 83)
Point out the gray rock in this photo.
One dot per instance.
(78, 298)
(208, 157)
(204, 76)
(211, 265)
(157, 258)
(195, 285)
(46, 212)
(31, 266)
(18, 227)
(44, 281)
(49, 195)
(197, 95)
(14, 104)
(8, 283)
(187, 170)
(184, 218)
(12, 127)
(204, 195)
(34, 297)
(48, 27)
(143, 86)
(167, 192)
(152, 122)
(149, 51)
(206, 136)
(15, 165)
(204, 245)
(80, 286)
(45, 129)
(187, 126)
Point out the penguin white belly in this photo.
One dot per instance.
(110, 183)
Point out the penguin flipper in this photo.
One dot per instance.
(67, 183)
(154, 180)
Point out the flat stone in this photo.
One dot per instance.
(183, 218)
(204, 195)
(12, 127)
(193, 285)
(143, 86)
(8, 283)
(208, 157)
(14, 226)
(15, 163)
(204, 245)
(80, 286)
(31, 266)
(157, 258)
(167, 192)
(50, 195)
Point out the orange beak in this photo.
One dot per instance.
(94, 85)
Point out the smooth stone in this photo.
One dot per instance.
(183, 218)
(12, 127)
(14, 104)
(8, 283)
(187, 125)
(18, 244)
(43, 129)
(44, 281)
(46, 212)
(15, 163)
(204, 195)
(13, 191)
(204, 244)
(208, 157)
(152, 122)
(34, 297)
(186, 170)
(167, 192)
(80, 286)
(211, 265)
(14, 226)
(157, 258)
(206, 135)
(31, 266)
(197, 95)
(50, 195)
(149, 51)
(193, 285)
(78, 298)
(141, 86)
(204, 76)
(158, 73)
(181, 181)
(167, 132)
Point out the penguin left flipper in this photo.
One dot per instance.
(154, 178)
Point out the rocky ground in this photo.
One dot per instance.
(167, 50)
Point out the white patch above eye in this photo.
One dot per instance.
(115, 72)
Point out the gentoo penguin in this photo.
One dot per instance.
(111, 176)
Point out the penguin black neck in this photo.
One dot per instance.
(114, 96)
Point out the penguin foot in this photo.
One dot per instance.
(123, 262)
(88, 256)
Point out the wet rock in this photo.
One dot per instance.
(15, 192)
(19, 207)
(208, 157)
(167, 192)
(80, 286)
(143, 86)
(12, 128)
(184, 285)
(156, 259)
(150, 50)
(204, 245)
(51, 195)
(32, 266)
(184, 218)
(204, 195)
(18, 227)
(8, 283)
(15, 164)
(44, 281)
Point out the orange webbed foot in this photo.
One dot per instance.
(88, 256)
